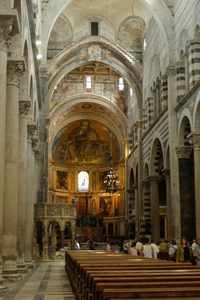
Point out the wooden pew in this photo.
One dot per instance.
(96, 276)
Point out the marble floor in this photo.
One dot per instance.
(47, 282)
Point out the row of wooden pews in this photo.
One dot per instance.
(98, 275)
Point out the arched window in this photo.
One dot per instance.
(83, 181)
(88, 82)
(121, 84)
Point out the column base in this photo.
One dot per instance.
(29, 263)
(3, 289)
(22, 268)
(10, 271)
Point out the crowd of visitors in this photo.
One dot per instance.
(183, 251)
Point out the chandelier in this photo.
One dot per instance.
(111, 181)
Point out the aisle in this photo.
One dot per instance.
(47, 282)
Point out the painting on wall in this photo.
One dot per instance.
(85, 141)
(61, 180)
(105, 206)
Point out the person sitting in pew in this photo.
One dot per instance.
(132, 249)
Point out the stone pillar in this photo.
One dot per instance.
(174, 168)
(180, 78)
(24, 107)
(147, 203)
(196, 147)
(45, 241)
(155, 213)
(169, 206)
(187, 202)
(73, 226)
(11, 172)
(3, 83)
(30, 189)
(164, 93)
(194, 62)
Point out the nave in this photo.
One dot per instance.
(48, 281)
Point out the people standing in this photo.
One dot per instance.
(147, 249)
(155, 250)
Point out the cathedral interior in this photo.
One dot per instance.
(99, 124)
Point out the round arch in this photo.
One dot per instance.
(113, 109)
(158, 8)
(196, 114)
(94, 117)
(128, 69)
(157, 157)
(185, 114)
(184, 130)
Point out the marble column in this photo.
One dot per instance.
(29, 198)
(196, 147)
(9, 252)
(3, 84)
(155, 213)
(24, 107)
(174, 167)
(169, 208)
(186, 181)
(45, 241)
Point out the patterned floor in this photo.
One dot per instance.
(47, 282)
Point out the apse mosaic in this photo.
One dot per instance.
(85, 141)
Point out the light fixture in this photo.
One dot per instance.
(38, 42)
(39, 56)
(111, 181)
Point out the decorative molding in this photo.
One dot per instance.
(171, 70)
(16, 69)
(95, 52)
(31, 130)
(24, 107)
(183, 152)
(194, 137)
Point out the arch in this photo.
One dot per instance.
(157, 158)
(128, 69)
(110, 125)
(60, 39)
(182, 40)
(184, 130)
(131, 33)
(25, 53)
(111, 116)
(196, 114)
(83, 181)
(158, 8)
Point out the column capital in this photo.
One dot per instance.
(195, 139)
(24, 107)
(166, 172)
(153, 178)
(16, 69)
(9, 26)
(183, 152)
(146, 180)
(171, 70)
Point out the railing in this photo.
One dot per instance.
(54, 210)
